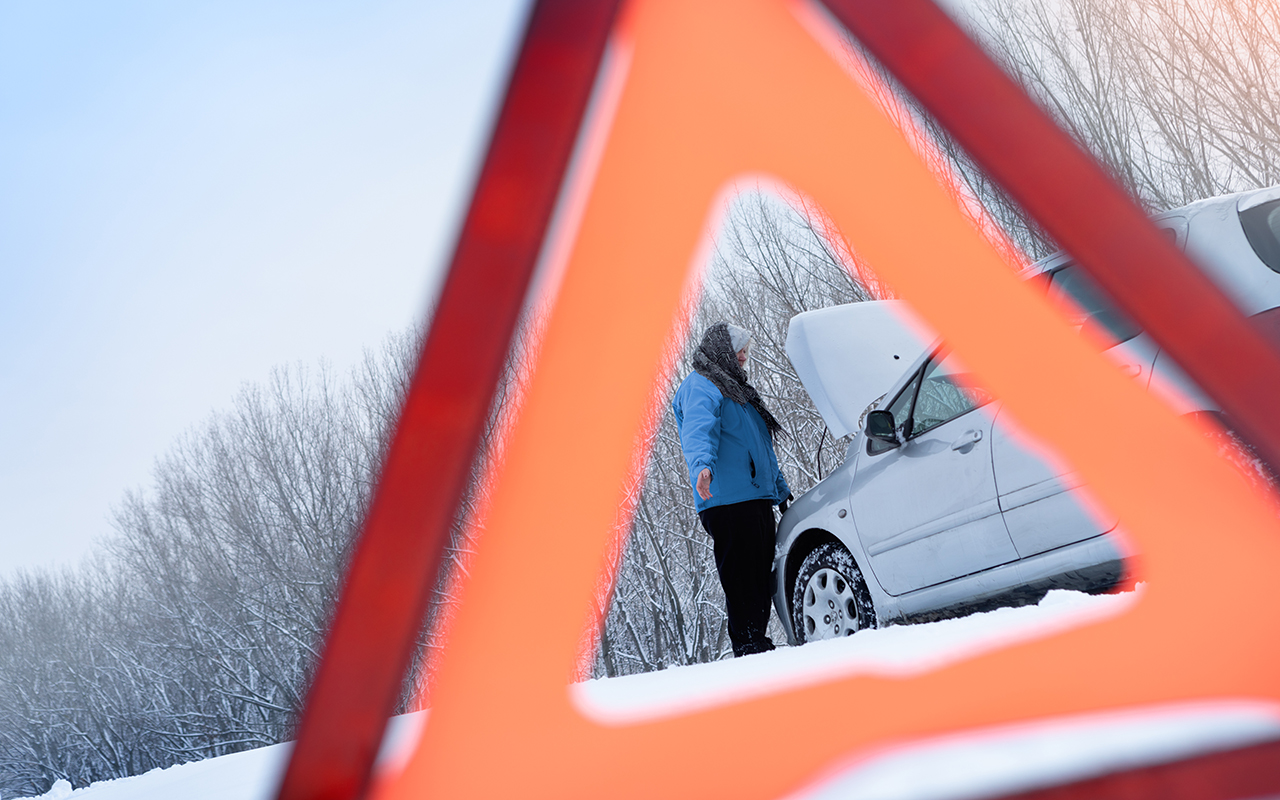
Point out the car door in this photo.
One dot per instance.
(926, 510)
(1045, 504)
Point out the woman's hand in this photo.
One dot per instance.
(704, 484)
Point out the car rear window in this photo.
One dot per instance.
(1095, 308)
(1262, 227)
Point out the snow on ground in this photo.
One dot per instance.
(993, 761)
(901, 650)
(240, 776)
(251, 775)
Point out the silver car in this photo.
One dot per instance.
(941, 506)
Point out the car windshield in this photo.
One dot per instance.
(1262, 227)
(1094, 310)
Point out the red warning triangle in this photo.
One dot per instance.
(693, 97)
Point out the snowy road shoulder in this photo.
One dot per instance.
(249, 775)
(976, 764)
(897, 651)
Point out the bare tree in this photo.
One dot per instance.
(1177, 99)
(195, 631)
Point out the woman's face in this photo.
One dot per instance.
(742, 358)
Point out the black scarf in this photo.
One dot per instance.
(716, 360)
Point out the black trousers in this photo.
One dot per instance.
(743, 534)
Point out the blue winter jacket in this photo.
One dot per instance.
(729, 439)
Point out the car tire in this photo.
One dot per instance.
(829, 599)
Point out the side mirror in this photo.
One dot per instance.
(881, 428)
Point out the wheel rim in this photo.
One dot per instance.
(830, 607)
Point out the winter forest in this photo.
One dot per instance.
(193, 630)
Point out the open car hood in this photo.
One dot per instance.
(847, 356)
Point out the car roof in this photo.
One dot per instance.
(1240, 201)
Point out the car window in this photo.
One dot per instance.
(947, 391)
(1094, 310)
(1262, 227)
(900, 408)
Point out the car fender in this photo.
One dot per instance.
(816, 516)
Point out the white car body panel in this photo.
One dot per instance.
(1045, 505)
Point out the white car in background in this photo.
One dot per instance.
(940, 508)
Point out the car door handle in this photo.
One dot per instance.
(1131, 370)
(969, 437)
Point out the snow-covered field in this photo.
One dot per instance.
(992, 762)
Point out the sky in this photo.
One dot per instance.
(194, 193)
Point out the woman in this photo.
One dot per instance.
(727, 437)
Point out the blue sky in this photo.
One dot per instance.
(192, 193)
